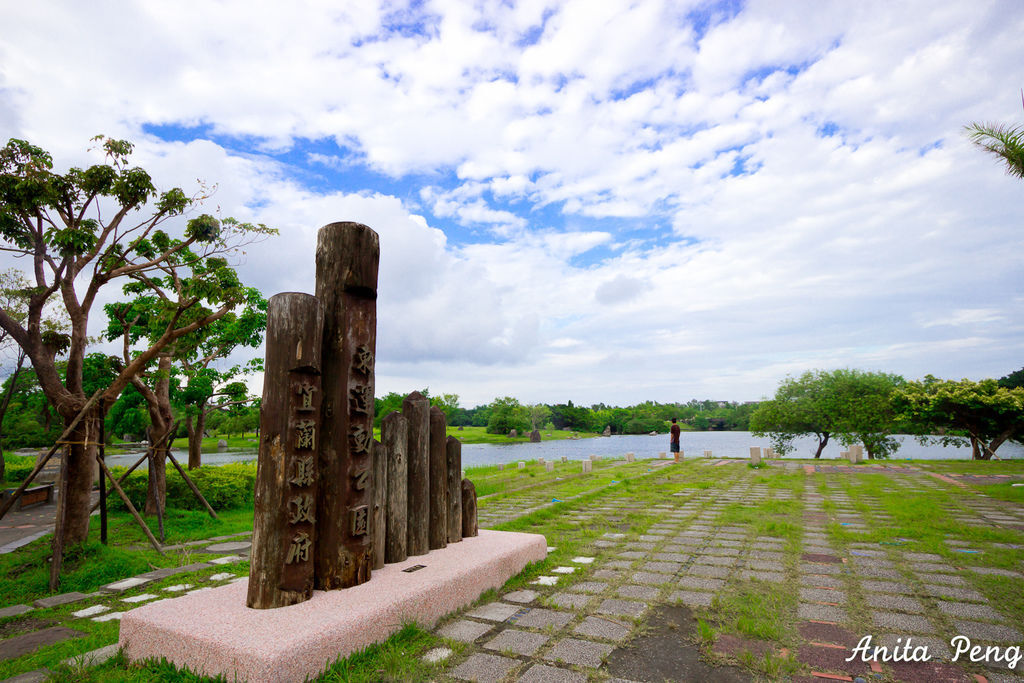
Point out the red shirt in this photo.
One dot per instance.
(675, 433)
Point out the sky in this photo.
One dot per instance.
(591, 201)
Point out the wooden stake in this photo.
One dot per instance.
(469, 526)
(379, 526)
(393, 431)
(416, 411)
(453, 453)
(438, 531)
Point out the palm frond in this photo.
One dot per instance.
(1006, 142)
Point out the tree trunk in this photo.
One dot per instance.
(81, 471)
(159, 402)
(822, 442)
(12, 382)
(195, 438)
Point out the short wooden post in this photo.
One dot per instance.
(416, 410)
(379, 526)
(393, 443)
(347, 256)
(469, 526)
(284, 530)
(437, 534)
(453, 454)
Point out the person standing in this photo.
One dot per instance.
(673, 441)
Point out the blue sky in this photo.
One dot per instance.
(603, 202)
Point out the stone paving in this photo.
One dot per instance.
(575, 615)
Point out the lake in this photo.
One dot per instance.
(721, 444)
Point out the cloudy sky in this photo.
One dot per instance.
(602, 201)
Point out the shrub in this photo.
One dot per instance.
(224, 487)
(17, 467)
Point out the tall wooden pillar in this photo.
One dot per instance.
(281, 562)
(416, 411)
(394, 443)
(453, 454)
(438, 532)
(469, 525)
(347, 257)
(378, 527)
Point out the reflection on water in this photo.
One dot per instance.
(721, 445)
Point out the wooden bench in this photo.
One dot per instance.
(33, 495)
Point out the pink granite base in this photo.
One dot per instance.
(212, 632)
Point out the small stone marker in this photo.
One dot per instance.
(540, 460)
(593, 457)
(662, 455)
(565, 458)
(501, 466)
(522, 465)
(630, 457)
(549, 467)
(755, 455)
(707, 454)
(469, 525)
(856, 454)
(588, 465)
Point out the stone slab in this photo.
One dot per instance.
(517, 642)
(484, 668)
(17, 646)
(464, 630)
(62, 599)
(214, 633)
(14, 610)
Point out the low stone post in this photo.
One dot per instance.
(469, 524)
(662, 455)
(394, 440)
(437, 533)
(588, 466)
(416, 410)
(522, 465)
(755, 455)
(453, 453)
(565, 458)
(549, 467)
(707, 454)
(281, 561)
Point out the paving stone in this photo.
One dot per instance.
(563, 570)
(938, 648)
(818, 581)
(484, 668)
(14, 610)
(707, 570)
(623, 608)
(765, 565)
(966, 610)
(589, 587)
(994, 571)
(436, 655)
(523, 596)
(538, 617)
(90, 611)
(229, 547)
(887, 587)
(542, 673)
(35, 676)
(142, 597)
(221, 576)
(770, 577)
(177, 588)
(519, 642)
(93, 657)
(545, 581)
(821, 612)
(992, 632)
(229, 559)
(62, 599)
(650, 578)
(923, 557)
(830, 659)
(632, 554)
(125, 584)
(700, 583)
(826, 633)
(641, 592)
(716, 560)
(109, 617)
(608, 574)
(494, 611)
(692, 598)
(899, 602)
(809, 568)
(822, 595)
(670, 557)
(579, 652)
(944, 579)
(954, 593)
(464, 630)
(600, 627)
(570, 600)
(619, 564)
(17, 646)
(904, 623)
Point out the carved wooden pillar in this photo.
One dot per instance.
(469, 526)
(453, 454)
(347, 257)
(416, 410)
(438, 532)
(379, 527)
(394, 439)
(281, 562)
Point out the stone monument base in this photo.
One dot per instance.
(212, 632)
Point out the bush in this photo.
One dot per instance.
(224, 487)
(17, 468)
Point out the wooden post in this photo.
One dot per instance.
(379, 526)
(284, 529)
(416, 410)
(393, 443)
(437, 534)
(453, 453)
(347, 257)
(469, 527)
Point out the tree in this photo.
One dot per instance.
(82, 230)
(849, 405)
(1006, 142)
(1014, 379)
(448, 403)
(800, 407)
(987, 413)
(539, 415)
(507, 414)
